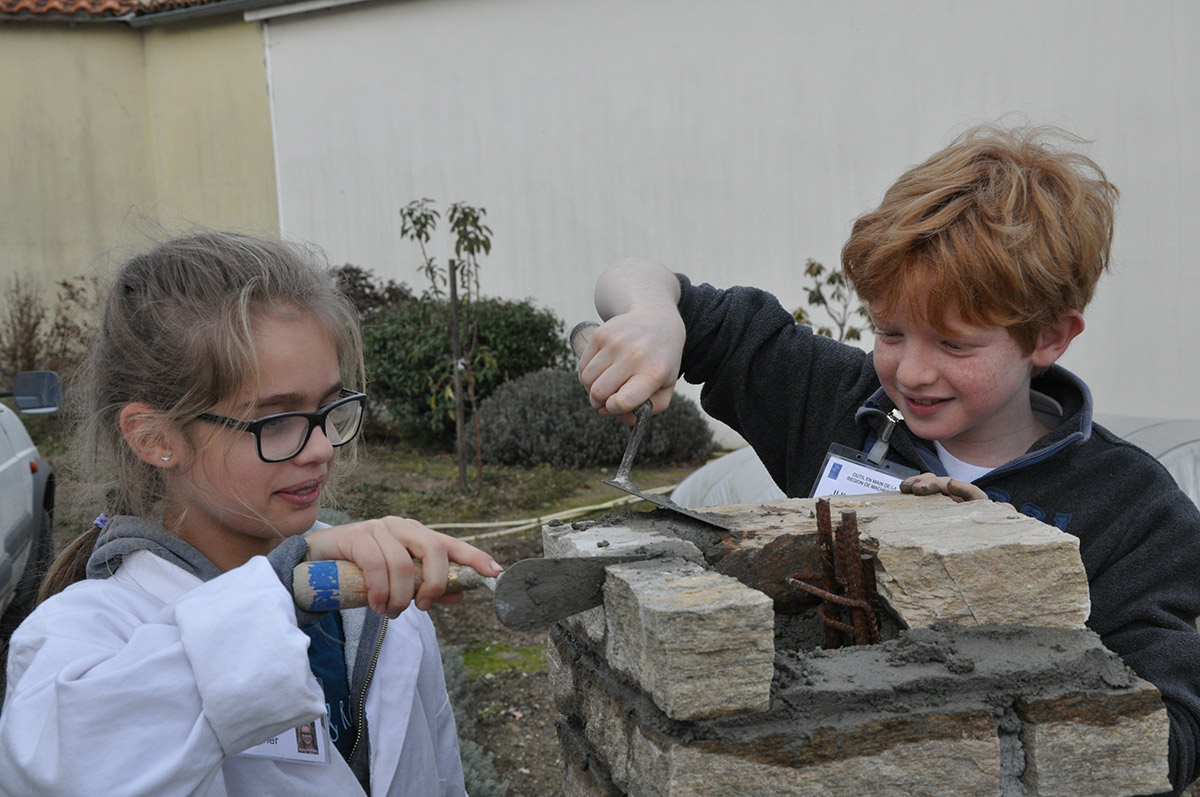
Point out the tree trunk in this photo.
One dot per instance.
(456, 376)
(478, 435)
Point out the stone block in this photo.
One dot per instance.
(699, 643)
(930, 753)
(971, 563)
(604, 713)
(583, 774)
(560, 673)
(1065, 737)
(589, 625)
(600, 540)
(564, 541)
(962, 763)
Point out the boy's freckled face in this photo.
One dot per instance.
(968, 390)
(236, 505)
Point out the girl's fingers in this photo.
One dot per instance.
(466, 554)
(398, 591)
(386, 564)
(384, 550)
(430, 548)
(436, 551)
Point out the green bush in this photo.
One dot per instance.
(545, 417)
(366, 291)
(407, 348)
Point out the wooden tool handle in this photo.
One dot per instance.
(581, 336)
(337, 584)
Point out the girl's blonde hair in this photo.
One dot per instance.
(1003, 225)
(176, 333)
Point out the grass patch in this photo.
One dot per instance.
(426, 488)
(500, 659)
(423, 486)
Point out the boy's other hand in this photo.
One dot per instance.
(931, 484)
(384, 550)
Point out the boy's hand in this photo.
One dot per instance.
(384, 550)
(930, 484)
(635, 355)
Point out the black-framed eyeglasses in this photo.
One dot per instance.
(281, 437)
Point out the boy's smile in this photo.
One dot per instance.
(969, 390)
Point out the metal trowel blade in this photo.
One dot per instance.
(667, 503)
(537, 592)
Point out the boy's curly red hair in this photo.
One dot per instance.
(1001, 225)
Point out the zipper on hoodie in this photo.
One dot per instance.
(878, 451)
(362, 697)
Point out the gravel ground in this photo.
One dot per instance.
(514, 713)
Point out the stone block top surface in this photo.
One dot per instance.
(564, 541)
(976, 563)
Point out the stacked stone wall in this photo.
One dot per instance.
(687, 682)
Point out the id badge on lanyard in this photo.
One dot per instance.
(849, 472)
(306, 744)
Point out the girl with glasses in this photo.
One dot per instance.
(223, 381)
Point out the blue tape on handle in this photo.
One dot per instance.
(323, 581)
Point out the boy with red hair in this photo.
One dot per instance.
(976, 268)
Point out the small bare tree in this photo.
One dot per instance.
(460, 278)
(32, 338)
(836, 297)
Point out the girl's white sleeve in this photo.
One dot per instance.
(111, 689)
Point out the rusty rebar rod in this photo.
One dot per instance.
(840, 600)
(833, 636)
(863, 619)
(845, 569)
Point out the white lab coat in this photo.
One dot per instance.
(152, 681)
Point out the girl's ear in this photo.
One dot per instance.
(150, 436)
(1054, 339)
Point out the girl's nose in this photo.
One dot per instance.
(317, 449)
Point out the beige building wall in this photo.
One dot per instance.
(210, 126)
(73, 139)
(110, 135)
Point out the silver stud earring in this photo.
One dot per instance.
(166, 457)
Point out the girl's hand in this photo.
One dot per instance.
(384, 550)
(929, 484)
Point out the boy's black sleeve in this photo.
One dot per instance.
(787, 391)
(1144, 574)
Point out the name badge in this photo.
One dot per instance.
(308, 744)
(847, 472)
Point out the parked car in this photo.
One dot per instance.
(740, 477)
(26, 498)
